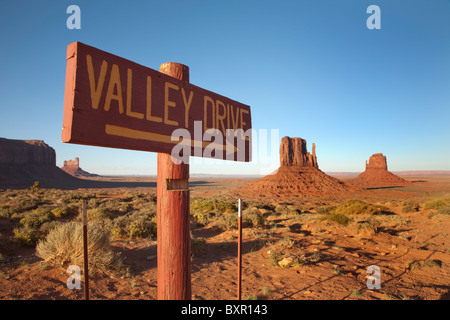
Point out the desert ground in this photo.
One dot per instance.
(294, 248)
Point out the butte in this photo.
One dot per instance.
(377, 174)
(298, 176)
(72, 167)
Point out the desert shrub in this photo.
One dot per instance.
(436, 204)
(114, 206)
(127, 197)
(326, 209)
(64, 244)
(252, 217)
(274, 257)
(287, 210)
(94, 214)
(444, 210)
(286, 260)
(26, 236)
(48, 226)
(6, 212)
(8, 194)
(226, 221)
(35, 187)
(143, 227)
(427, 263)
(145, 205)
(28, 229)
(357, 207)
(27, 224)
(200, 217)
(35, 219)
(197, 245)
(60, 212)
(93, 202)
(223, 212)
(215, 206)
(287, 243)
(139, 201)
(370, 226)
(25, 203)
(339, 218)
(265, 206)
(202, 205)
(139, 224)
(410, 206)
(72, 196)
(441, 205)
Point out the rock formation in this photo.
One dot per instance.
(23, 152)
(72, 167)
(22, 162)
(377, 174)
(293, 153)
(377, 161)
(298, 175)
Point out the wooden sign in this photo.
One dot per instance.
(113, 102)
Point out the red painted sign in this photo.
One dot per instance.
(113, 102)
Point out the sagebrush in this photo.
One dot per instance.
(64, 245)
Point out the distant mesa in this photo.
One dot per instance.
(72, 167)
(377, 174)
(298, 175)
(26, 152)
(22, 162)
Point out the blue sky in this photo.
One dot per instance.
(311, 69)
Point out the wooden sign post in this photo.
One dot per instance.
(113, 102)
(173, 217)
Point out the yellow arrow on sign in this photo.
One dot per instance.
(157, 137)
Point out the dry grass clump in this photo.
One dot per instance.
(356, 214)
(427, 263)
(64, 244)
(410, 206)
(326, 209)
(197, 245)
(369, 227)
(441, 205)
(359, 207)
(340, 214)
(339, 218)
(436, 204)
(287, 210)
